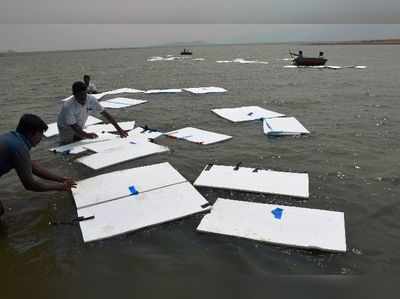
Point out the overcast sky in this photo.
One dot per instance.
(28, 25)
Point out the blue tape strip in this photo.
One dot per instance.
(277, 213)
(133, 190)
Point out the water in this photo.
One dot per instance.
(351, 157)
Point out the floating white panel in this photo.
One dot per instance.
(245, 113)
(283, 126)
(277, 224)
(254, 180)
(198, 136)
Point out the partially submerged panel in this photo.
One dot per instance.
(246, 113)
(254, 180)
(277, 224)
(134, 150)
(79, 146)
(204, 90)
(283, 126)
(198, 136)
(116, 103)
(171, 90)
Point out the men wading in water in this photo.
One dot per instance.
(14, 154)
(74, 113)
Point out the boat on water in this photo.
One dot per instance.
(301, 60)
(186, 52)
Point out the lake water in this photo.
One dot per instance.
(352, 157)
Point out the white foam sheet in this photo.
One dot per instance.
(161, 195)
(262, 181)
(114, 185)
(125, 153)
(53, 129)
(246, 113)
(224, 61)
(298, 227)
(78, 147)
(283, 126)
(204, 90)
(113, 143)
(171, 90)
(140, 211)
(198, 136)
(241, 60)
(125, 101)
(139, 132)
(101, 128)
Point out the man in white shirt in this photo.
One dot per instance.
(91, 88)
(74, 113)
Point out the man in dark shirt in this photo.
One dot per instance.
(14, 154)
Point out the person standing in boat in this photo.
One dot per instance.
(91, 88)
(15, 149)
(74, 114)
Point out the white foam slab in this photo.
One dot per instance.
(126, 101)
(198, 59)
(171, 90)
(283, 126)
(334, 67)
(140, 211)
(53, 129)
(113, 143)
(224, 61)
(111, 105)
(122, 154)
(291, 226)
(203, 90)
(78, 147)
(262, 181)
(101, 128)
(139, 132)
(198, 136)
(117, 184)
(245, 113)
(241, 60)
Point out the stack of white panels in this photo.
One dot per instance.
(115, 155)
(117, 103)
(284, 126)
(245, 113)
(53, 129)
(254, 180)
(128, 200)
(198, 136)
(282, 225)
(203, 90)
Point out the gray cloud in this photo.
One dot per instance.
(199, 12)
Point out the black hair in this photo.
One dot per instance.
(86, 76)
(30, 124)
(78, 86)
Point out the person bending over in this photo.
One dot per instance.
(15, 154)
(74, 114)
(91, 88)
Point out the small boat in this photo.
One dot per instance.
(300, 60)
(186, 52)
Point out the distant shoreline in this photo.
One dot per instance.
(393, 41)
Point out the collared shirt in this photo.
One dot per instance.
(14, 153)
(73, 113)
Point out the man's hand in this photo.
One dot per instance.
(68, 184)
(122, 133)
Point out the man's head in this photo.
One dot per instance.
(79, 91)
(32, 127)
(86, 79)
